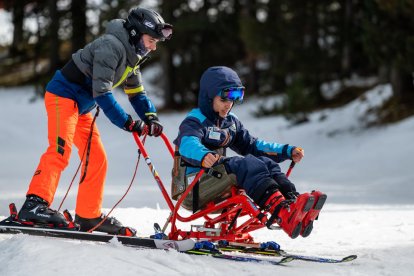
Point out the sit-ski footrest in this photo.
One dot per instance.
(208, 231)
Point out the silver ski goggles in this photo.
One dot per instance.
(234, 94)
(165, 31)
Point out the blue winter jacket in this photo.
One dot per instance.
(203, 131)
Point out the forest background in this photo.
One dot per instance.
(305, 51)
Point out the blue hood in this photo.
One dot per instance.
(213, 80)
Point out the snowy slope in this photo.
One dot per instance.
(384, 246)
(367, 175)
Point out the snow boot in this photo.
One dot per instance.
(289, 214)
(307, 222)
(35, 210)
(111, 226)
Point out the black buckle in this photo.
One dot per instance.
(275, 215)
(214, 173)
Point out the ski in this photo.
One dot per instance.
(188, 246)
(321, 259)
(284, 254)
(185, 246)
(8, 227)
(237, 258)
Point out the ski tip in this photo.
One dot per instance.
(286, 260)
(349, 258)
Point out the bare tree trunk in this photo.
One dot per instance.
(402, 104)
(252, 78)
(169, 80)
(39, 89)
(346, 48)
(16, 48)
(54, 38)
(78, 9)
(402, 85)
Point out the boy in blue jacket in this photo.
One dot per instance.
(203, 138)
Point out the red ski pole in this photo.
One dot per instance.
(292, 164)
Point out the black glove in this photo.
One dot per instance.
(154, 126)
(137, 126)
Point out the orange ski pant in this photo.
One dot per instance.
(65, 128)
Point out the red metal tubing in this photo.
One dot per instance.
(175, 214)
(153, 171)
(168, 144)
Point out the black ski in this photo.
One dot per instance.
(8, 227)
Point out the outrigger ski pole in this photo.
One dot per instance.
(291, 166)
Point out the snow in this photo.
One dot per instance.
(367, 174)
(6, 32)
(331, 89)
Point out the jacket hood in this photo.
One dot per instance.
(213, 80)
(116, 28)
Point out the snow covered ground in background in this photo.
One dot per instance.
(367, 174)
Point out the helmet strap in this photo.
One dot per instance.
(140, 48)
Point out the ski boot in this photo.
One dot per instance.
(288, 214)
(35, 210)
(307, 222)
(110, 225)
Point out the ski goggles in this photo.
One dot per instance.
(234, 94)
(165, 31)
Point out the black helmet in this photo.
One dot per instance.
(144, 21)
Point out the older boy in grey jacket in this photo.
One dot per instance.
(87, 80)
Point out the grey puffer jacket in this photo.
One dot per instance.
(107, 62)
(107, 59)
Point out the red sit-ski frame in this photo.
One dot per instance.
(224, 225)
